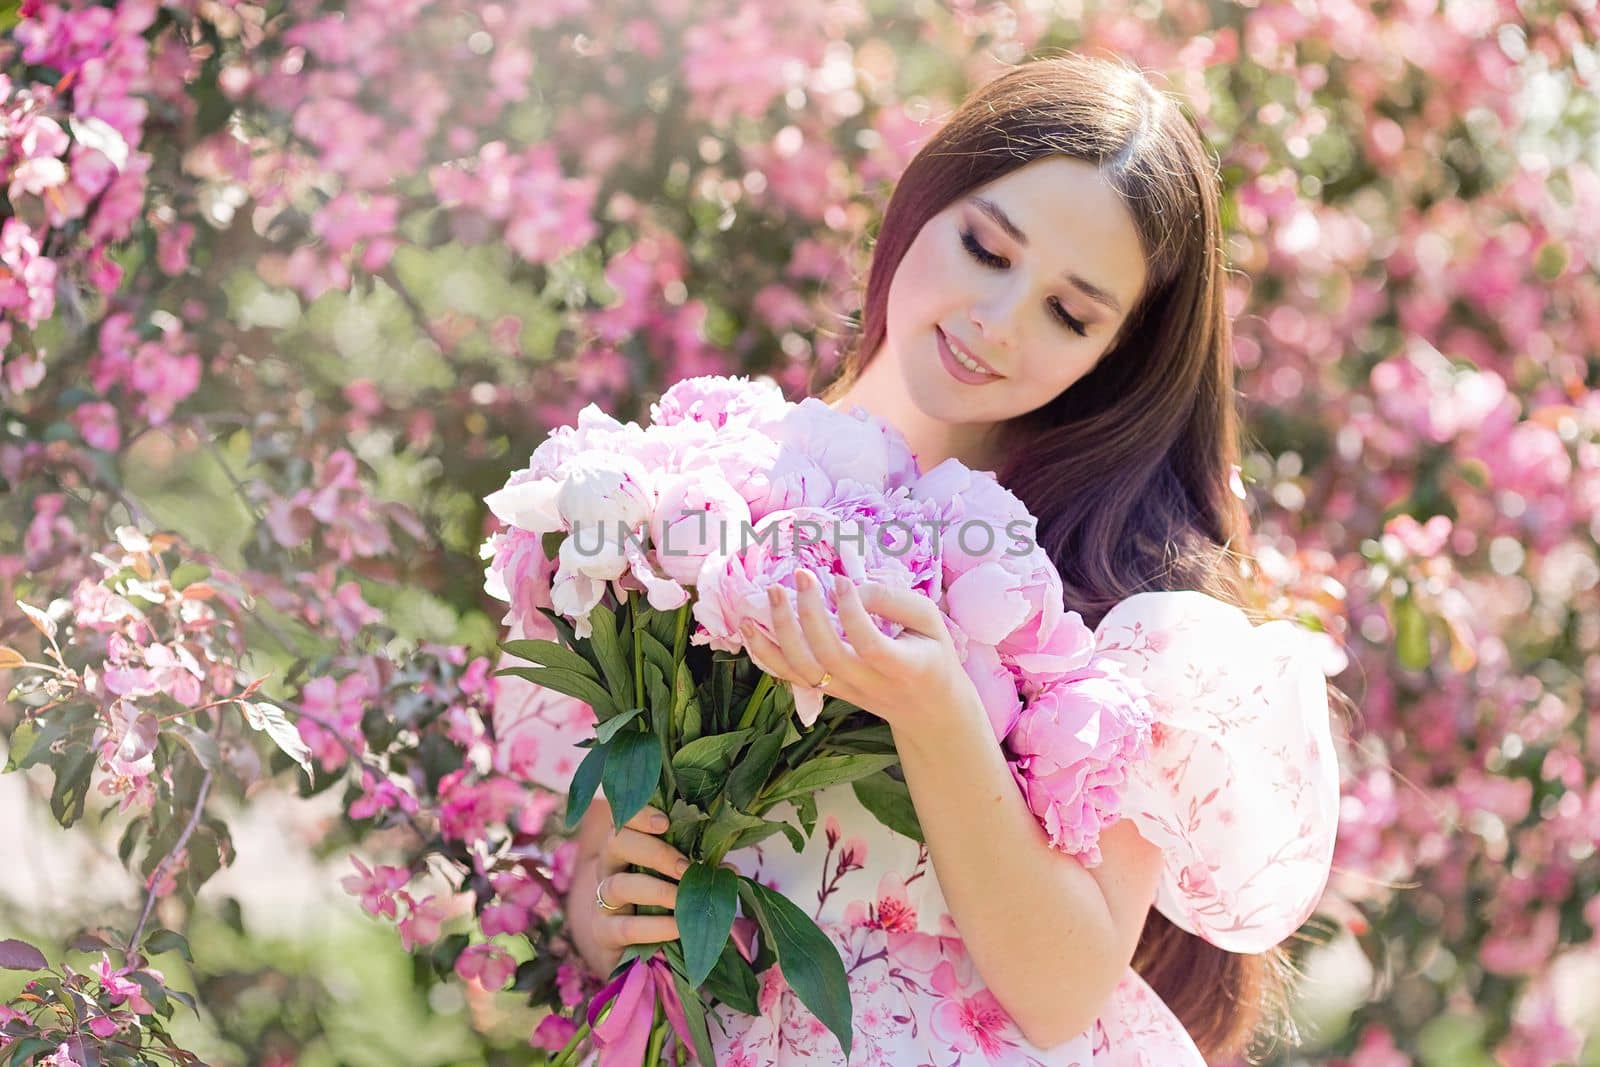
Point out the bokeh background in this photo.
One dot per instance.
(299, 283)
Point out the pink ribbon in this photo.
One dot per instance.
(623, 1035)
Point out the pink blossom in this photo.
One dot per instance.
(380, 795)
(97, 422)
(553, 1033)
(27, 278)
(339, 707)
(969, 1024)
(122, 989)
(467, 809)
(489, 965)
(376, 886)
(891, 910)
(421, 925)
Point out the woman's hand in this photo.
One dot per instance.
(601, 935)
(886, 676)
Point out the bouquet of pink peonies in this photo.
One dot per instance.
(635, 554)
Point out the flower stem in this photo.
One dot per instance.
(638, 655)
(756, 697)
(658, 1034)
(682, 631)
(566, 1055)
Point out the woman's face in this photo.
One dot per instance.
(1037, 301)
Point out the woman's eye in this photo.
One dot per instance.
(980, 253)
(989, 259)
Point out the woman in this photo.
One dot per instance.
(1045, 302)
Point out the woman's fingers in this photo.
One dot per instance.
(796, 649)
(869, 642)
(907, 607)
(766, 655)
(620, 931)
(626, 888)
(831, 653)
(649, 820)
(647, 850)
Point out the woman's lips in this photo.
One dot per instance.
(955, 369)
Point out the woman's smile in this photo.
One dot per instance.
(962, 367)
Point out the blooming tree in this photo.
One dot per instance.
(286, 289)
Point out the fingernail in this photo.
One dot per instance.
(660, 822)
(683, 867)
(807, 579)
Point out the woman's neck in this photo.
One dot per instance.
(931, 440)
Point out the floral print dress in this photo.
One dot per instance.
(1240, 791)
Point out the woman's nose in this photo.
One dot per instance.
(996, 321)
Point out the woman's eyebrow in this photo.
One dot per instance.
(1088, 288)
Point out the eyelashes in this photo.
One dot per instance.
(989, 259)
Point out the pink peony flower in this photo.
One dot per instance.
(718, 401)
(1071, 749)
(733, 588)
(697, 515)
(851, 446)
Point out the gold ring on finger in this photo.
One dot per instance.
(600, 897)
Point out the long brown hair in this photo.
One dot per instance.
(1128, 471)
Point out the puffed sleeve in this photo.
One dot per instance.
(537, 727)
(1241, 787)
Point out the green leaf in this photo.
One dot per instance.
(685, 709)
(707, 899)
(30, 742)
(189, 572)
(580, 793)
(26, 1051)
(572, 684)
(164, 940)
(564, 629)
(871, 739)
(550, 654)
(608, 649)
(750, 776)
(657, 654)
(270, 719)
(72, 785)
(726, 828)
(694, 1011)
(631, 774)
(822, 772)
(889, 801)
(733, 982)
(185, 999)
(713, 752)
(608, 729)
(768, 827)
(810, 962)
(655, 684)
